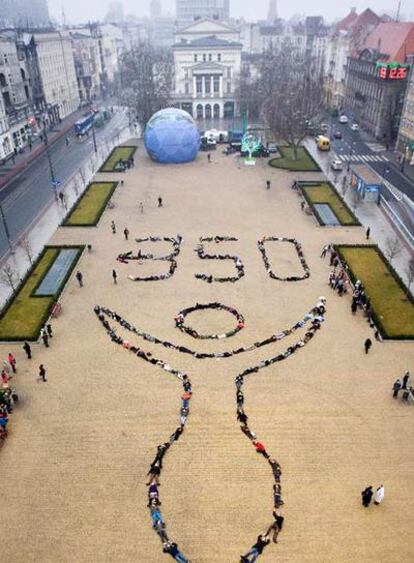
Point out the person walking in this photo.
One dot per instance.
(209, 157)
(324, 250)
(26, 347)
(42, 373)
(79, 277)
(379, 495)
(159, 201)
(406, 380)
(141, 207)
(12, 361)
(252, 555)
(126, 233)
(268, 184)
(367, 345)
(45, 337)
(368, 232)
(276, 527)
(49, 330)
(114, 276)
(366, 495)
(395, 388)
(113, 227)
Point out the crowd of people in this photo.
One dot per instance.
(126, 257)
(368, 493)
(8, 395)
(298, 247)
(236, 259)
(180, 318)
(404, 385)
(123, 165)
(315, 317)
(339, 281)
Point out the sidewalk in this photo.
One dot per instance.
(369, 214)
(17, 164)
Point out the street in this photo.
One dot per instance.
(24, 197)
(352, 148)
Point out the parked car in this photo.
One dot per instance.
(343, 119)
(337, 165)
(355, 127)
(338, 135)
(272, 147)
(324, 127)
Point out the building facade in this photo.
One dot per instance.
(207, 62)
(406, 132)
(87, 65)
(187, 11)
(15, 92)
(6, 148)
(52, 71)
(377, 78)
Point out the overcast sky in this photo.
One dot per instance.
(84, 10)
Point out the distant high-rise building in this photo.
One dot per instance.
(115, 13)
(272, 12)
(24, 13)
(188, 11)
(155, 9)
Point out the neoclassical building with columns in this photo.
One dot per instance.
(207, 60)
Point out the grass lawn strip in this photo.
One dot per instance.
(325, 193)
(88, 209)
(117, 154)
(25, 314)
(393, 310)
(303, 163)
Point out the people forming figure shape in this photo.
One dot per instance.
(315, 319)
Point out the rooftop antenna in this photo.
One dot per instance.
(397, 17)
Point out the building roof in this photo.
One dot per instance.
(347, 20)
(196, 23)
(393, 40)
(365, 19)
(209, 41)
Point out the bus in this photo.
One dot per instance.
(83, 125)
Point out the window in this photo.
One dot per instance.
(229, 72)
(187, 88)
(195, 58)
(219, 57)
(207, 82)
(210, 57)
(199, 85)
(204, 57)
(216, 84)
(228, 87)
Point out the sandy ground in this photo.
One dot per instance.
(73, 470)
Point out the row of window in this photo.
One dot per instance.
(204, 56)
(207, 86)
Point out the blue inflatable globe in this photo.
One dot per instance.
(171, 136)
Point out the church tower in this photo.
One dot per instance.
(272, 13)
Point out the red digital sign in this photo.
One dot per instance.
(393, 72)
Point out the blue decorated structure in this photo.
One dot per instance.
(171, 136)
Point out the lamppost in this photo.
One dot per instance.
(6, 229)
(49, 159)
(95, 148)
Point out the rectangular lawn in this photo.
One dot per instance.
(25, 314)
(325, 193)
(88, 210)
(303, 163)
(393, 311)
(118, 153)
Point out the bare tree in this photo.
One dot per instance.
(409, 272)
(146, 75)
(294, 99)
(393, 248)
(26, 246)
(82, 174)
(9, 277)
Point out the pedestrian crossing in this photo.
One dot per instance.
(376, 147)
(363, 158)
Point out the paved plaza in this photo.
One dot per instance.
(73, 470)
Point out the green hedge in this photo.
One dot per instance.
(331, 198)
(124, 152)
(24, 314)
(87, 211)
(393, 309)
(304, 163)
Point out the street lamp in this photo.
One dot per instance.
(49, 159)
(95, 148)
(6, 229)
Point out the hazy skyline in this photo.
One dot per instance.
(252, 10)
